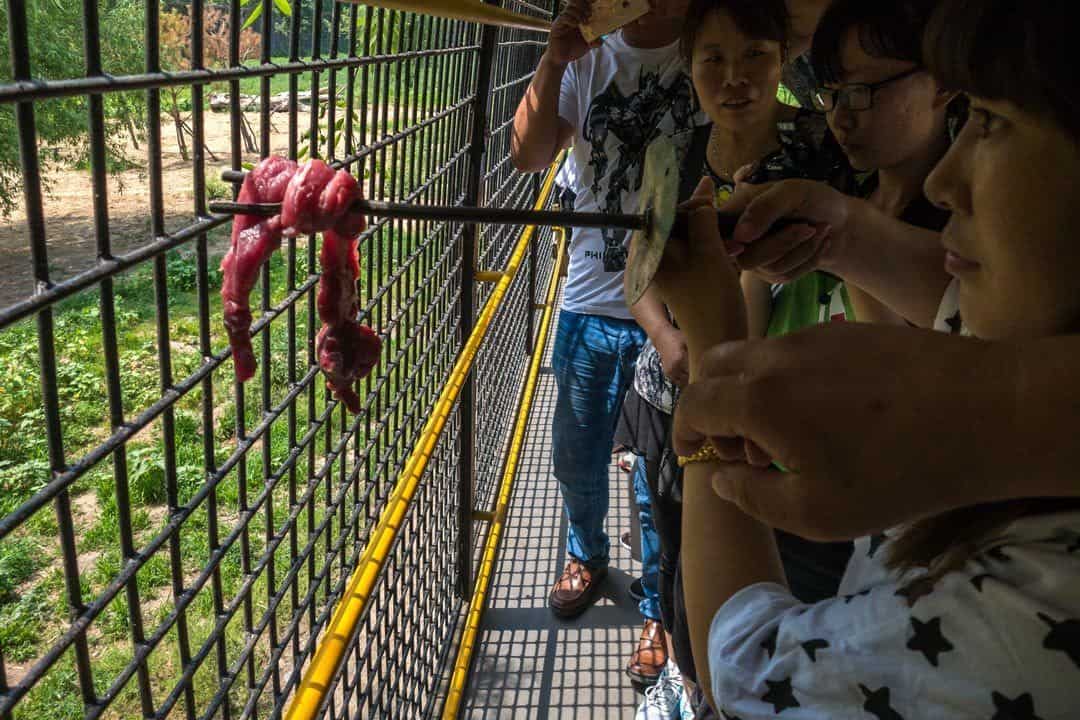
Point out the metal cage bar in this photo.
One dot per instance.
(202, 531)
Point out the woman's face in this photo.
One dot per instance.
(804, 16)
(736, 76)
(904, 118)
(1011, 182)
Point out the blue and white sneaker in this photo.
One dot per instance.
(686, 706)
(664, 700)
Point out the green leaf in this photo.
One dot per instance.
(283, 7)
(255, 14)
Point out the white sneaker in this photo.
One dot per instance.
(686, 706)
(663, 701)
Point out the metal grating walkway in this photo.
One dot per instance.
(528, 663)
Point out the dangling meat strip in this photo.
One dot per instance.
(314, 199)
(254, 239)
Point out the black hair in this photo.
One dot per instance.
(766, 19)
(886, 29)
(1013, 50)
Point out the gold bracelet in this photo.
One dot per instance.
(706, 453)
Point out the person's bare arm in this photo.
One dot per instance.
(539, 133)
(898, 264)
(723, 549)
(920, 422)
(651, 314)
(869, 309)
(758, 296)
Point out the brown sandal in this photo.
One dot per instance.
(575, 590)
(650, 656)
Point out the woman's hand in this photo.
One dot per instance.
(878, 425)
(795, 250)
(697, 278)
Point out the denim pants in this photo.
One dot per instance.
(649, 606)
(593, 359)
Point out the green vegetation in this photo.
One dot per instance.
(56, 51)
(279, 83)
(33, 606)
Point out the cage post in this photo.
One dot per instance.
(18, 33)
(467, 404)
(530, 306)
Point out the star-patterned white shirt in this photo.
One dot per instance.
(997, 640)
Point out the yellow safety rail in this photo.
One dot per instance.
(320, 673)
(472, 10)
(506, 488)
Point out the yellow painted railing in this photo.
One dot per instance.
(472, 10)
(319, 675)
(506, 489)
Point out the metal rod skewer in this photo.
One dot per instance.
(726, 222)
(458, 213)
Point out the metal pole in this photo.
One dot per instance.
(459, 213)
(476, 11)
(467, 403)
(530, 304)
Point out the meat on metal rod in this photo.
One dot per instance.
(314, 198)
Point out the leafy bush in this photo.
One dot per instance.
(217, 189)
(56, 51)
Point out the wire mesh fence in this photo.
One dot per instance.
(172, 542)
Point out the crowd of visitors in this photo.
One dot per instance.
(854, 458)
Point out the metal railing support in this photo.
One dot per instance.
(477, 11)
(459, 679)
(467, 403)
(312, 693)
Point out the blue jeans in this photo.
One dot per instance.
(649, 606)
(593, 359)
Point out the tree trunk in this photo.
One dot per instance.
(178, 124)
(131, 130)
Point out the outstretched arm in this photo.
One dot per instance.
(723, 549)
(898, 264)
(920, 422)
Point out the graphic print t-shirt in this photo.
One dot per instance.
(618, 98)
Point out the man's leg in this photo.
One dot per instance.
(586, 359)
(650, 656)
(649, 606)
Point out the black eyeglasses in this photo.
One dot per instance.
(856, 96)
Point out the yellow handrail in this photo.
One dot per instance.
(471, 10)
(491, 546)
(320, 673)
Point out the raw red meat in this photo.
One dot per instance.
(319, 199)
(314, 199)
(347, 350)
(254, 239)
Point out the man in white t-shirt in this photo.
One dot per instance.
(609, 100)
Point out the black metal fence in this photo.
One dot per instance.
(201, 531)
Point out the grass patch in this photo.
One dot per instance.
(33, 607)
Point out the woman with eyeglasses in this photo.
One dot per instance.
(889, 115)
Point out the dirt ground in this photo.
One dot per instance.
(69, 220)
